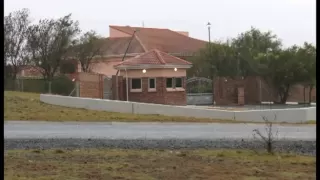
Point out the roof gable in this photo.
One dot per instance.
(153, 57)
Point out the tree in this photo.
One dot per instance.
(68, 67)
(249, 45)
(86, 48)
(16, 26)
(307, 57)
(282, 69)
(48, 42)
(217, 59)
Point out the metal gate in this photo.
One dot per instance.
(199, 91)
(107, 88)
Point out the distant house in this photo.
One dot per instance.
(30, 71)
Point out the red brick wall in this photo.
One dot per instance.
(161, 96)
(296, 94)
(225, 93)
(91, 85)
(121, 87)
(175, 98)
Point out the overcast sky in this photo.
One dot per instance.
(294, 21)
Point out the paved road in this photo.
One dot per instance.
(116, 130)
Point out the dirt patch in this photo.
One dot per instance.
(156, 164)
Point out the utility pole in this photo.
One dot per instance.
(125, 53)
(213, 76)
(238, 64)
(209, 29)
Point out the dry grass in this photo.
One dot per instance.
(27, 106)
(155, 164)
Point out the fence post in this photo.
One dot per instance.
(22, 85)
(77, 89)
(16, 86)
(49, 87)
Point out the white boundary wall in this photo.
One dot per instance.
(293, 115)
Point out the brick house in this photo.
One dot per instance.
(153, 77)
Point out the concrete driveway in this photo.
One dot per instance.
(117, 130)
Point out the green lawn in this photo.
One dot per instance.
(58, 164)
(27, 106)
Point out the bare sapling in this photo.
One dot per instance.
(269, 137)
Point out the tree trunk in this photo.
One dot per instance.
(284, 97)
(269, 147)
(14, 80)
(49, 88)
(49, 80)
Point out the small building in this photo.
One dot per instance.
(152, 77)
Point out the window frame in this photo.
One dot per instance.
(175, 82)
(155, 85)
(174, 88)
(172, 83)
(135, 90)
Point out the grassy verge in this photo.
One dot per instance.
(27, 106)
(155, 164)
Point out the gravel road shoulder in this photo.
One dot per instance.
(294, 146)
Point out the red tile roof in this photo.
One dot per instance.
(154, 57)
(163, 39)
(118, 45)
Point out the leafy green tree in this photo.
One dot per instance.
(48, 42)
(306, 55)
(217, 59)
(249, 45)
(86, 48)
(281, 69)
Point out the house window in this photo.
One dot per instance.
(174, 83)
(169, 83)
(136, 83)
(152, 83)
(178, 82)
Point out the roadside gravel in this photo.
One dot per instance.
(299, 147)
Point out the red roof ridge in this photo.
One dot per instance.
(135, 36)
(186, 36)
(157, 52)
(117, 27)
(136, 57)
(117, 38)
(142, 45)
(174, 57)
(135, 27)
(159, 56)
